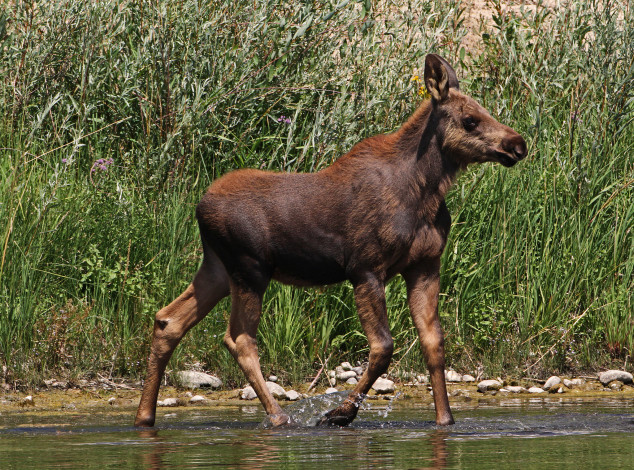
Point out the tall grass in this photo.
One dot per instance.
(117, 115)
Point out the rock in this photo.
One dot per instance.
(332, 381)
(331, 390)
(568, 383)
(27, 401)
(515, 389)
(610, 375)
(536, 390)
(352, 381)
(616, 385)
(292, 395)
(332, 374)
(343, 376)
(248, 393)
(195, 379)
(346, 366)
(559, 388)
(578, 382)
(168, 402)
(468, 378)
(422, 379)
(382, 386)
(197, 399)
(551, 382)
(358, 370)
(273, 378)
(487, 385)
(111, 400)
(276, 390)
(453, 376)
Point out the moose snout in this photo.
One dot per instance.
(515, 145)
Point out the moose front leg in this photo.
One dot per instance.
(370, 299)
(423, 286)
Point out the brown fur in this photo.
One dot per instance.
(378, 211)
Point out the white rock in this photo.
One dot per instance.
(248, 393)
(358, 370)
(276, 390)
(490, 384)
(273, 378)
(352, 381)
(332, 374)
(422, 379)
(168, 402)
(292, 395)
(577, 382)
(453, 376)
(197, 399)
(331, 390)
(195, 379)
(382, 386)
(468, 378)
(568, 383)
(111, 400)
(28, 400)
(536, 390)
(343, 376)
(346, 366)
(610, 375)
(332, 381)
(515, 389)
(551, 382)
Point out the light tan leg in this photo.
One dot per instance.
(370, 299)
(209, 286)
(240, 339)
(423, 286)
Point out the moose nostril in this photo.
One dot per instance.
(520, 149)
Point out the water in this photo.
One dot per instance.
(513, 433)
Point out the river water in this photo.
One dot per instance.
(511, 433)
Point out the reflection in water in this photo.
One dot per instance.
(527, 435)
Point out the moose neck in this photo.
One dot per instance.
(420, 142)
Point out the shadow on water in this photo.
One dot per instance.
(521, 433)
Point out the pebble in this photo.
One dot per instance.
(358, 370)
(536, 390)
(273, 378)
(551, 382)
(332, 381)
(382, 386)
(487, 385)
(422, 379)
(332, 374)
(610, 375)
(197, 399)
(111, 400)
(515, 389)
(568, 383)
(577, 382)
(346, 366)
(616, 385)
(168, 402)
(195, 379)
(352, 381)
(331, 390)
(27, 401)
(292, 395)
(248, 393)
(345, 375)
(276, 390)
(453, 376)
(468, 378)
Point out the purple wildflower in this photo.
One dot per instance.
(284, 119)
(64, 160)
(101, 164)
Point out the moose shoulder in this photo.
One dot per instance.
(376, 212)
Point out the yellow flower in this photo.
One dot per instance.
(415, 78)
(422, 91)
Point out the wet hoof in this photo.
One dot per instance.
(280, 419)
(341, 416)
(144, 422)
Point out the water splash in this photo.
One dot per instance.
(388, 408)
(309, 411)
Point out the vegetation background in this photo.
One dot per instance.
(116, 115)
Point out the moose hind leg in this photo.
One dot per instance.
(370, 299)
(209, 286)
(240, 340)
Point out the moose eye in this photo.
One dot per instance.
(469, 123)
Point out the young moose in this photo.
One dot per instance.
(376, 212)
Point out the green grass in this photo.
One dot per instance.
(538, 271)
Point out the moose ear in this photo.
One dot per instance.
(439, 77)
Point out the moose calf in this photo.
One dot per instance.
(378, 211)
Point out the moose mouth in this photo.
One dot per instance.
(505, 159)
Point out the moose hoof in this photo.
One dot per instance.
(280, 419)
(144, 422)
(341, 416)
